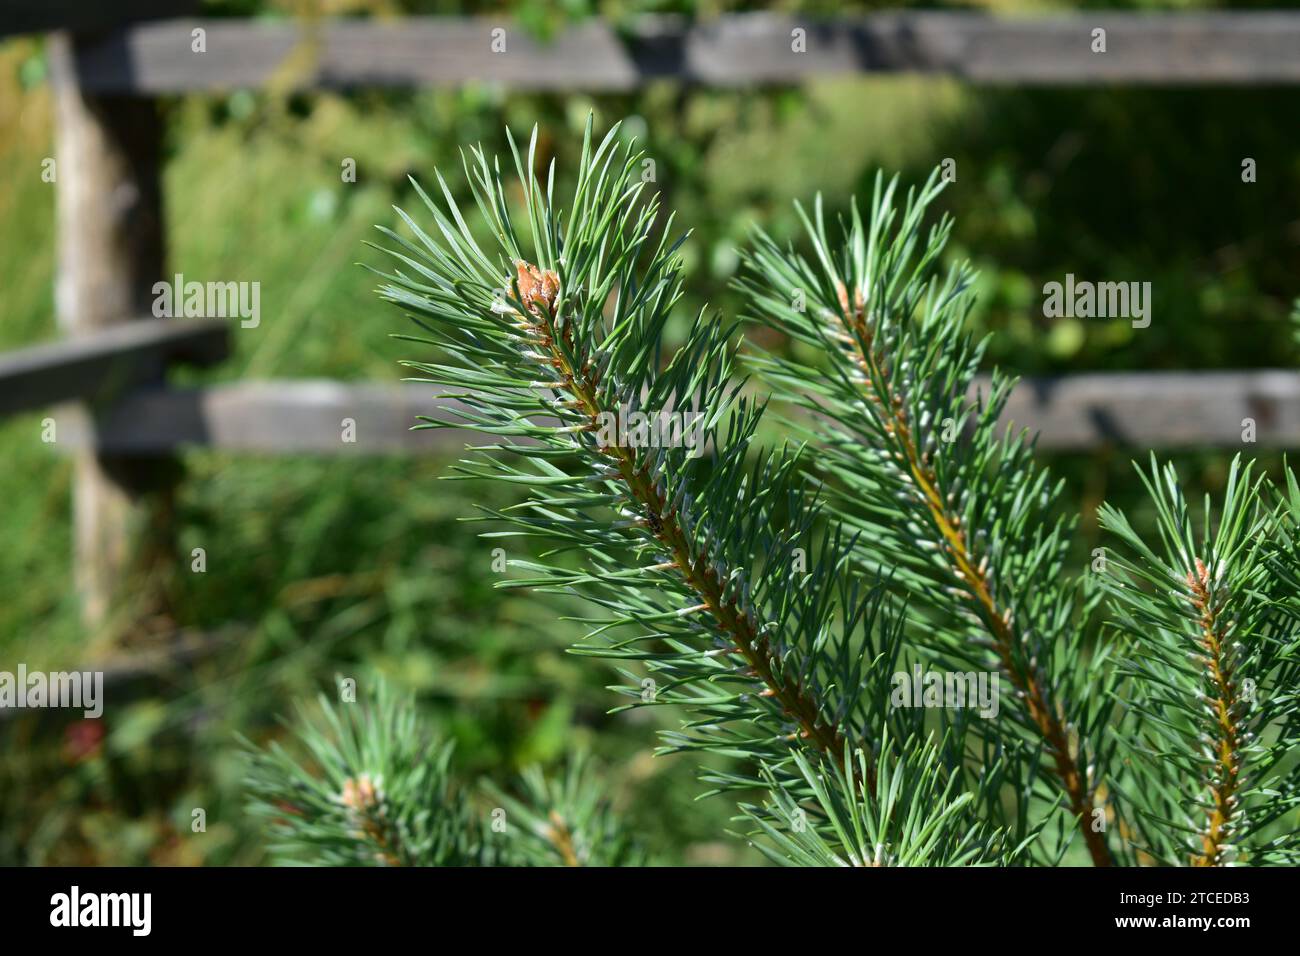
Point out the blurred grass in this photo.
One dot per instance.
(362, 567)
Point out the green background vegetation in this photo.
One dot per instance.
(318, 566)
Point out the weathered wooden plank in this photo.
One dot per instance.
(103, 364)
(31, 16)
(270, 417)
(1136, 410)
(733, 50)
(1160, 410)
(110, 253)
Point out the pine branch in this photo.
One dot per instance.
(967, 520)
(374, 790)
(691, 549)
(564, 821)
(913, 814)
(687, 557)
(1212, 706)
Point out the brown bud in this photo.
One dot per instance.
(538, 289)
(360, 793)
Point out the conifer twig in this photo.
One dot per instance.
(540, 292)
(1211, 715)
(968, 567)
(692, 549)
(962, 518)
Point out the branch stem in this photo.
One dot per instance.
(1226, 772)
(561, 837)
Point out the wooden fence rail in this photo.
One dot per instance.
(1158, 410)
(101, 366)
(132, 414)
(728, 51)
(112, 369)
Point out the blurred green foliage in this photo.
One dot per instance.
(329, 566)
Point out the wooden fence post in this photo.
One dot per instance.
(110, 253)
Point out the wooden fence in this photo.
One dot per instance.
(129, 424)
(736, 50)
